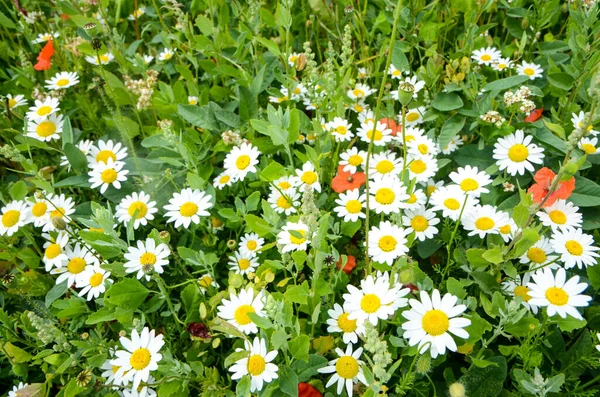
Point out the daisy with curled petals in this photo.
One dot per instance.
(414, 116)
(507, 228)
(307, 176)
(421, 168)
(285, 203)
(540, 255)
(187, 207)
(104, 151)
(14, 215)
(137, 13)
(148, 257)
(243, 263)
(385, 163)
(16, 101)
(471, 180)
(558, 295)
(360, 92)
(42, 109)
(59, 206)
(588, 145)
(453, 145)
(486, 56)
(141, 355)
(346, 370)
(241, 161)
(55, 250)
(387, 194)
(205, 282)
(562, 215)
(481, 220)
(109, 174)
(293, 237)
(340, 129)
(350, 205)
(432, 320)
(62, 80)
(44, 37)
(501, 64)
(575, 248)
(47, 129)
(84, 146)
(222, 180)
(38, 210)
(192, 100)
(285, 184)
(515, 153)
(517, 288)
(136, 205)
(103, 59)
(251, 244)
(531, 70)
(422, 222)
(387, 242)
(409, 134)
(431, 186)
(79, 258)
(579, 121)
(92, 281)
(257, 365)
(353, 158)
(415, 200)
(378, 133)
(450, 200)
(339, 322)
(166, 54)
(235, 311)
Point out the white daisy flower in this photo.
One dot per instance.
(453, 145)
(432, 320)
(148, 59)
(579, 121)
(409, 134)
(293, 58)
(471, 180)
(501, 64)
(137, 13)
(515, 153)
(588, 145)
(251, 244)
(507, 228)
(235, 311)
(560, 297)
(431, 186)
(138, 205)
(84, 146)
(346, 370)
(386, 194)
(14, 216)
(422, 147)
(340, 129)
(166, 54)
(59, 206)
(241, 161)
(531, 70)
(192, 100)
(243, 263)
(38, 210)
(44, 37)
(307, 176)
(42, 109)
(540, 255)
(92, 281)
(517, 288)
(148, 257)
(103, 59)
(562, 215)
(450, 200)
(15, 390)
(421, 168)
(285, 203)
(395, 73)
(486, 56)
(410, 84)
(422, 222)
(222, 180)
(360, 107)
(16, 101)
(414, 116)
(350, 205)
(360, 92)
(141, 355)
(415, 200)
(108, 174)
(293, 237)
(384, 163)
(79, 258)
(575, 248)
(481, 220)
(105, 151)
(55, 251)
(338, 321)
(362, 73)
(62, 80)
(207, 281)
(379, 133)
(387, 242)
(257, 365)
(47, 129)
(141, 391)
(187, 207)
(353, 158)
(285, 184)
(366, 116)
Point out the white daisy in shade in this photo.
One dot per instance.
(432, 320)
(338, 321)
(141, 355)
(44, 37)
(422, 222)
(307, 176)
(14, 216)
(507, 228)
(109, 174)
(55, 251)
(579, 121)
(62, 80)
(235, 311)
(556, 294)
(363, 73)
(575, 248)
(285, 184)
(207, 281)
(241, 161)
(79, 258)
(360, 92)
(293, 237)
(346, 370)
(105, 151)
(515, 153)
(251, 244)
(360, 107)
(413, 116)
(38, 210)
(415, 200)
(431, 186)
(46, 130)
(531, 70)
(409, 134)
(588, 145)
(378, 133)
(395, 73)
(453, 145)
(517, 288)
(375, 300)
(387, 242)
(137, 13)
(385, 163)
(486, 56)
(540, 255)
(103, 59)
(42, 109)
(422, 147)
(450, 200)
(146, 258)
(136, 206)
(501, 64)
(222, 180)
(257, 365)
(481, 220)
(92, 281)
(386, 195)
(15, 392)
(293, 58)
(187, 207)
(421, 168)
(340, 129)
(562, 215)
(353, 158)
(59, 206)
(285, 203)
(243, 263)
(366, 116)
(148, 59)
(141, 391)
(16, 101)
(84, 146)
(400, 300)
(471, 180)
(166, 54)
(350, 205)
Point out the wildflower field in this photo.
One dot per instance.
(299, 198)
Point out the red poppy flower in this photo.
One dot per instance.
(45, 57)
(347, 181)
(307, 390)
(540, 189)
(392, 125)
(350, 264)
(535, 115)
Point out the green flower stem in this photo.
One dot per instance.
(162, 287)
(449, 246)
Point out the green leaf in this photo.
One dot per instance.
(18, 190)
(450, 129)
(523, 327)
(297, 294)
(488, 381)
(270, 45)
(483, 363)
(261, 321)
(446, 101)
(399, 60)
(493, 255)
(586, 194)
(128, 293)
(17, 354)
(455, 288)
(505, 83)
(570, 323)
(528, 238)
(169, 388)
(299, 347)
(56, 292)
(272, 172)
(102, 315)
(563, 81)
(257, 225)
(475, 257)
(76, 158)
(288, 381)
(556, 128)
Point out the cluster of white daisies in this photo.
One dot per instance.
(491, 56)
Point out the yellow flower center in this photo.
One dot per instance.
(57, 213)
(140, 359)
(505, 229)
(385, 196)
(574, 247)
(52, 251)
(469, 184)
(147, 258)
(501, 66)
(251, 245)
(341, 130)
(412, 199)
(242, 162)
(518, 153)
(168, 56)
(536, 255)
(419, 223)
(370, 303)
(452, 204)
(104, 58)
(188, 209)
(293, 58)
(39, 209)
(241, 314)
(529, 71)
(423, 148)
(205, 281)
(376, 136)
(256, 365)
(44, 110)
(522, 291)
(109, 175)
(354, 206)
(224, 179)
(11, 103)
(486, 57)
(104, 155)
(283, 202)
(297, 240)
(412, 116)
(138, 206)
(355, 160)
(484, 223)
(385, 167)
(283, 185)
(558, 217)
(309, 177)
(431, 189)
(10, 218)
(588, 148)
(418, 166)
(396, 72)
(45, 129)
(345, 324)
(435, 322)
(387, 243)
(62, 82)
(557, 296)
(76, 265)
(358, 108)
(244, 264)
(192, 101)
(346, 367)
(96, 279)
(358, 93)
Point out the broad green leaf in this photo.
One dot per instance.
(102, 315)
(128, 293)
(505, 83)
(450, 129)
(445, 102)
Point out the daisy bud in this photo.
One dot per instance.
(164, 235)
(456, 390)
(236, 280)
(231, 244)
(85, 335)
(122, 333)
(59, 223)
(423, 365)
